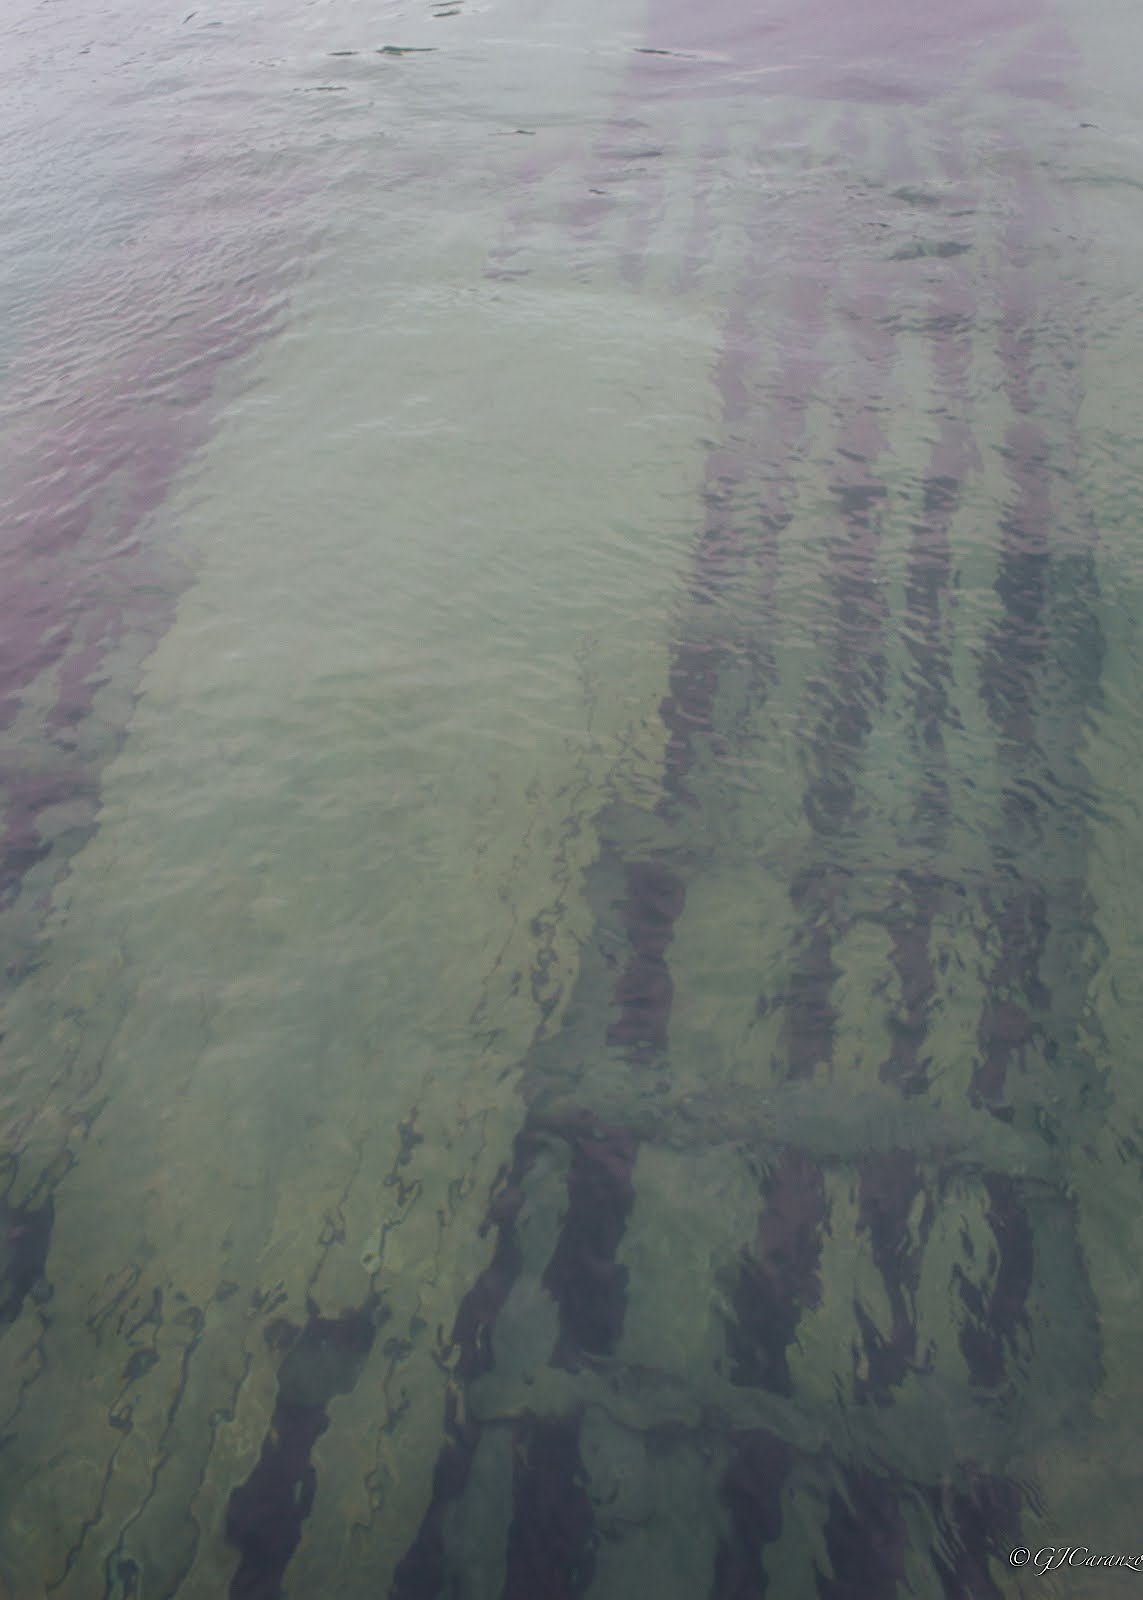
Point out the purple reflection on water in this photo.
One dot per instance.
(97, 458)
(879, 50)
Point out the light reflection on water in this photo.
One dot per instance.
(570, 744)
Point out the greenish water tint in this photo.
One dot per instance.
(569, 678)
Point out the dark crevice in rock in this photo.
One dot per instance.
(980, 1524)
(265, 1514)
(583, 1276)
(476, 1318)
(751, 1491)
(778, 1275)
(423, 1571)
(996, 1319)
(552, 1539)
(25, 1235)
(867, 1538)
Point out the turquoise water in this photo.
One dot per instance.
(569, 664)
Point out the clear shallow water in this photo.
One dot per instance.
(569, 660)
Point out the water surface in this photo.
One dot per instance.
(569, 667)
